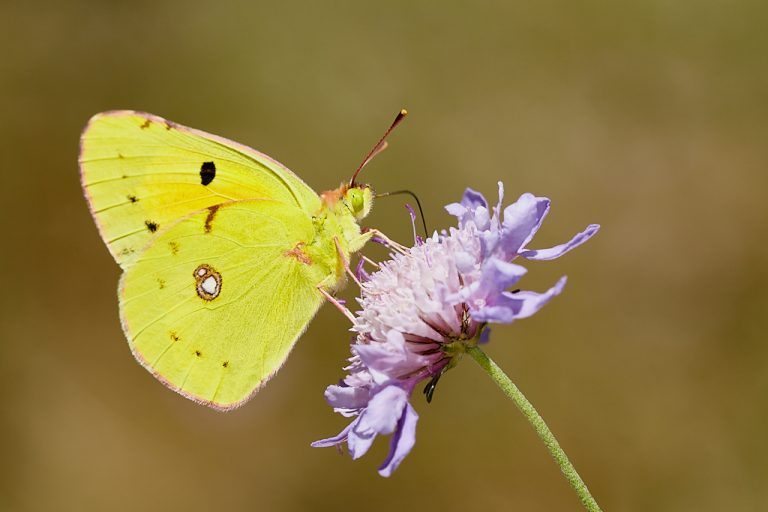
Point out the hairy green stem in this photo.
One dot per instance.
(533, 417)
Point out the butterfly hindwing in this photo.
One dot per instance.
(215, 303)
(141, 173)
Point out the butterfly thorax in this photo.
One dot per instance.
(337, 230)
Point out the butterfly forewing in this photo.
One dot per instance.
(141, 172)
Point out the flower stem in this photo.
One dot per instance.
(533, 417)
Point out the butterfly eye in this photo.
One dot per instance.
(356, 201)
(359, 200)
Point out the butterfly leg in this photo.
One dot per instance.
(344, 259)
(369, 261)
(358, 241)
(383, 239)
(338, 305)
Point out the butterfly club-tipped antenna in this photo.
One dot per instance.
(380, 146)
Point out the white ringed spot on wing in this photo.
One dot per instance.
(207, 282)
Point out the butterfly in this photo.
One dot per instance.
(226, 254)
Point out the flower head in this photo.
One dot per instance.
(424, 306)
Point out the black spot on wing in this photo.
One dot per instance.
(146, 124)
(151, 226)
(207, 172)
(133, 198)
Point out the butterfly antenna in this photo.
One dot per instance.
(380, 146)
(418, 205)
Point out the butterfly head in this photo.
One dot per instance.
(359, 200)
(355, 201)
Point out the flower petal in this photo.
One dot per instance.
(358, 443)
(335, 440)
(527, 303)
(402, 441)
(497, 208)
(380, 417)
(499, 275)
(500, 314)
(473, 199)
(383, 411)
(521, 221)
(473, 207)
(508, 307)
(390, 359)
(346, 398)
(559, 250)
(465, 262)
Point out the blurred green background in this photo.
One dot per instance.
(650, 118)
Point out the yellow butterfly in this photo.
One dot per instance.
(227, 255)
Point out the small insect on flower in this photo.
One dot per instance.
(426, 305)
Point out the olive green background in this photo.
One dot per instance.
(650, 118)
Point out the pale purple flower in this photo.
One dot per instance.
(423, 307)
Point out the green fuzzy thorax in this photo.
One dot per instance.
(337, 219)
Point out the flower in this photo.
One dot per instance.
(422, 308)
